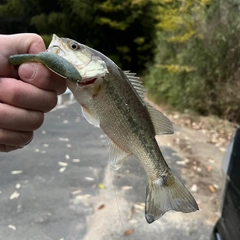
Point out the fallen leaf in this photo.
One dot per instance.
(82, 197)
(194, 188)
(75, 160)
(14, 195)
(76, 192)
(101, 206)
(62, 169)
(139, 206)
(101, 186)
(212, 189)
(129, 231)
(126, 187)
(89, 178)
(12, 227)
(63, 164)
(16, 172)
(181, 163)
(63, 139)
(209, 168)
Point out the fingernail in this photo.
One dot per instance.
(27, 71)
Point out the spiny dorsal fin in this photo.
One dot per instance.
(136, 83)
(161, 123)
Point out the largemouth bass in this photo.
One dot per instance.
(114, 101)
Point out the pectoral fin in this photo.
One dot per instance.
(161, 123)
(90, 118)
(117, 156)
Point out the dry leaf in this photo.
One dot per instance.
(139, 206)
(63, 139)
(14, 195)
(12, 227)
(89, 178)
(209, 168)
(62, 169)
(194, 188)
(129, 231)
(212, 189)
(76, 192)
(126, 187)
(101, 206)
(75, 160)
(16, 172)
(63, 164)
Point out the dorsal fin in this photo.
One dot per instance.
(136, 83)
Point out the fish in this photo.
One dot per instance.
(114, 100)
(54, 62)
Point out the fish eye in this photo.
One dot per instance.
(74, 46)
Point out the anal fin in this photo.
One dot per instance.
(117, 156)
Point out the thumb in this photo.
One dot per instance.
(23, 43)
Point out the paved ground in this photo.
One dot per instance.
(60, 186)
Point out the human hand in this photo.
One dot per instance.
(26, 92)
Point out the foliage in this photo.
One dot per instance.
(123, 30)
(198, 57)
(194, 43)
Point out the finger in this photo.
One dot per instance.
(17, 44)
(11, 140)
(6, 148)
(41, 77)
(13, 118)
(24, 95)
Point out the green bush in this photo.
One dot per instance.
(202, 72)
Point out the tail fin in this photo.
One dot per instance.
(164, 197)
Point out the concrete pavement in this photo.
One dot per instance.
(61, 188)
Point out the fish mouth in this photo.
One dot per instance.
(55, 49)
(87, 81)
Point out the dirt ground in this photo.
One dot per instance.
(198, 145)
